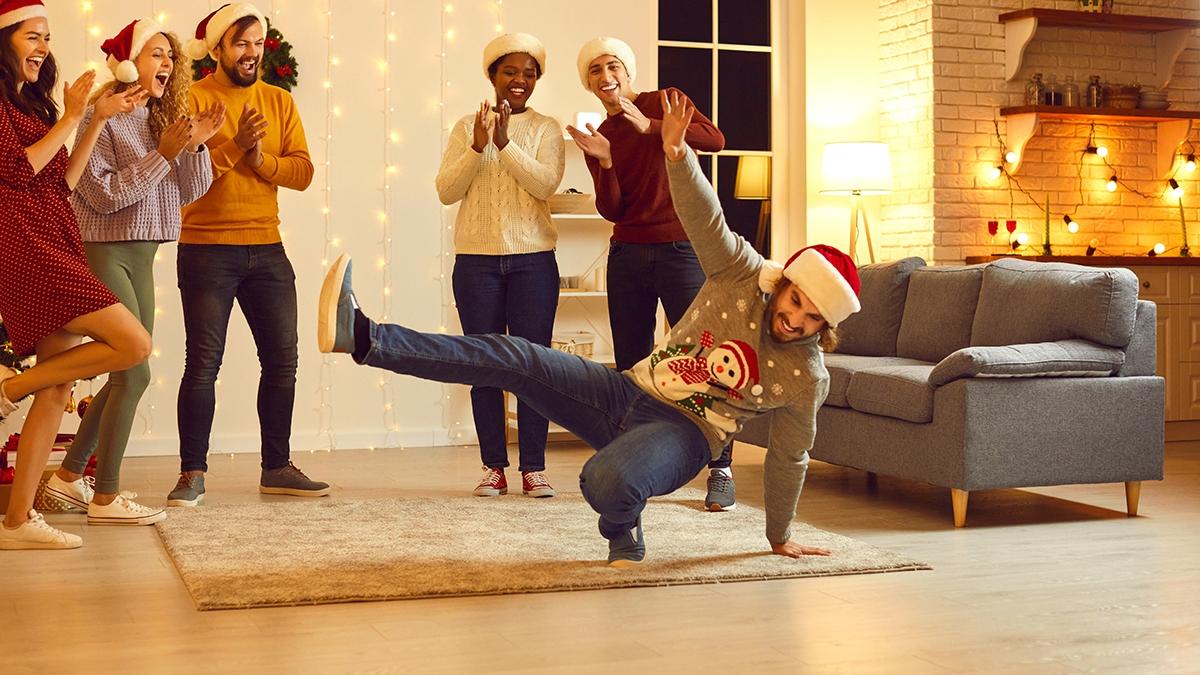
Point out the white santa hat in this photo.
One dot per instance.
(212, 27)
(826, 275)
(125, 46)
(601, 46)
(13, 12)
(514, 43)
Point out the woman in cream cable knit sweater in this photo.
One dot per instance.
(502, 164)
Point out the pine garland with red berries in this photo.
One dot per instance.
(278, 66)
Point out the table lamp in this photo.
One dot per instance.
(754, 182)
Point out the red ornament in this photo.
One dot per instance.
(993, 227)
(1010, 225)
(82, 406)
(284, 70)
(271, 44)
(7, 474)
(206, 71)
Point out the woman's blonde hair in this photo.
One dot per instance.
(174, 102)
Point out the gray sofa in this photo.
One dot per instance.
(1004, 375)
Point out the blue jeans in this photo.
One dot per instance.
(518, 295)
(261, 279)
(639, 276)
(644, 447)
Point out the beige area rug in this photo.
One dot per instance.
(321, 551)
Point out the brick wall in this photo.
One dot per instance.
(967, 88)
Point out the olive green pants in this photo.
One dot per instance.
(127, 268)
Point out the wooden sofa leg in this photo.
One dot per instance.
(959, 499)
(1133, 490)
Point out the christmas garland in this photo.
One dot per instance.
(8, 358)
(278, 66)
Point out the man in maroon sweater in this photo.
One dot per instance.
(650, 258)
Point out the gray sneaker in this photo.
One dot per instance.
(290, 480)
(335, 310)
(721, 495)
(189, 491)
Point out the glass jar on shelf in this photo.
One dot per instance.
(1035, 90)
(1070, 93)
(1095, 92)
(1052, 95)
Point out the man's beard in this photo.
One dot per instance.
(236, 76)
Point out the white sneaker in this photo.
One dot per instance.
(77, 493)
(123, 511)
(7, 407)
(36, 533)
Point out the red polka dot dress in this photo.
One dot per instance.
(44, 276)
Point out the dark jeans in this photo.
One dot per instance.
(644, 447)
(518, 295)
(639, 276)
(261, 279)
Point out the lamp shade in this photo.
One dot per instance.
(856, 168)
(753, 177)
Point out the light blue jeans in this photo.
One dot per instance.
(644, 447)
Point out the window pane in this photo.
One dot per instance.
(742, 214)
(689, 70)
(685, 20)
(743, 22)
(745, 90)
(706, 165)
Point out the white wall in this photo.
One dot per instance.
(357, 154)
(841, 44)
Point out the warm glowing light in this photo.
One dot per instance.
(1175, 190)
(382, 64)
(1102, 151)
(1190, 164)
(994, 173)
(335, 61)
(1072, 227)
(450, 34)
(324, 210)
(1111, 185)
(327, 84)
(336, 241)
(1022, 238)
(94, 31)
(337, 111)
(394, 137)
(1012, 156)
(162, 17)
(1159, 248)
(449, 9)
(87, 5)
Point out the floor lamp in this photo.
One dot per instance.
(858, 170)
(754, 182)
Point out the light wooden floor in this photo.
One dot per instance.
(1051, 580)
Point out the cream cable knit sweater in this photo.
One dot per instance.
(503, 193)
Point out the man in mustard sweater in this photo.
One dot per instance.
(230, 249)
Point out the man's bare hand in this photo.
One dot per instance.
(252, 128)
(793, 550)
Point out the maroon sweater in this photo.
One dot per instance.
(634, 194)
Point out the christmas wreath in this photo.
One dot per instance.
(278, 66)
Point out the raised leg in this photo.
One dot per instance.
(959, 499)
(1133, 490)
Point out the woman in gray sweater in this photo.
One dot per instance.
(147, 164)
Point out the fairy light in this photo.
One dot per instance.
(447, 231)
(386, 391)
(325, 379)
(499, 6)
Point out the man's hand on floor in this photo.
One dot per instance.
(793, 550)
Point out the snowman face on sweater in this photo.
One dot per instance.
(726, 367)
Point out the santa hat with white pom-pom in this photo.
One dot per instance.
(826, 275)
(212, 27)
(13, 12)
(125, 46)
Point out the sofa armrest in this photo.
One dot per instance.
(1141, 353)
(1062, 358)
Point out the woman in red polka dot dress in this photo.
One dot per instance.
(49, 300)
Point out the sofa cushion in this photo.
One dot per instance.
(902, 392)
(842, 367)
(939, 311)
(872, 330)
(1025, 302)
(1065, 358)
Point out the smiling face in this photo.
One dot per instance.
(608, 80)
(241, 51)
(155, 64)
(792, 314)
(514, 77)
(30, 44)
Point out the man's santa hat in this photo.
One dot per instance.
(601, 46)
(746, 359)
(826, 275)
(13, 12)
(125, 46)
(212, 27)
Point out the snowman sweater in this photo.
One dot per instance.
(721, 366)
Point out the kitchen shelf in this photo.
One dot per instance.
(1171, 35)
(1172, 127)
